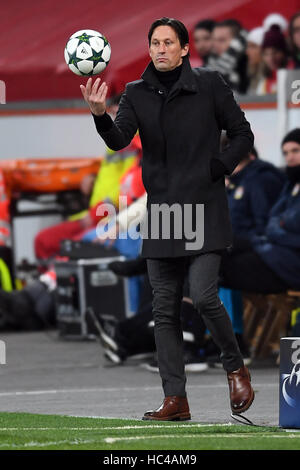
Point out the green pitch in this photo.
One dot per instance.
(33, 431)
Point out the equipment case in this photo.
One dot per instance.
(88, 283)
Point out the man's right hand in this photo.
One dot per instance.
(95, 96)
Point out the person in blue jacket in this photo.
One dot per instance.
(252, 190)
(270, 261)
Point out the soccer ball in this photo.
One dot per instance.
(87, 52)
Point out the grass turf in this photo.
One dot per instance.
(32, 431)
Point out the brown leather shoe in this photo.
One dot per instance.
(240, 390)
(172, 409)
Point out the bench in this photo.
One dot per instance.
(266, 319)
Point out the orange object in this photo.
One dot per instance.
(5, 228)
(131, 184)
(47, 175)
(137, 144)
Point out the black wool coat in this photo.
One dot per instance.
(180, 134)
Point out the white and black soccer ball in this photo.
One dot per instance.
(87, 52)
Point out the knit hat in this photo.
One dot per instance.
(274, 38)
(292, 136)
(256, 36)
(275, 18)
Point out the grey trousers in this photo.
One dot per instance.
(166, 277)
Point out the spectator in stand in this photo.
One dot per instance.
(254, 54)
(275, 57)
(203, 40)
(294, 38)
(270, 262)
(253, 188)
(228, 55)
(275, 18)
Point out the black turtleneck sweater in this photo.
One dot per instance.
(167, 79)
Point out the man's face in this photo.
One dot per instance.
(221, 38)
(165, 49)
(296, 32)
(202, 42)
(253, 52)
(291, 153)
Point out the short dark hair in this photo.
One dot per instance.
(179, 28)
(292, 136)
(208, 25)
(231, 23)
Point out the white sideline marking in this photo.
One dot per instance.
(115, 389)
(112, 440)
(50, 443)
(112, 428)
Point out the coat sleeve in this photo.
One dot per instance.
(119, 133)
(284, 230)
(231, 118)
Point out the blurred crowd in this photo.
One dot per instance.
(249, 60)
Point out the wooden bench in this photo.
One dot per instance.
(267, 319)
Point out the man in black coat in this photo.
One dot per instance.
(180, 112)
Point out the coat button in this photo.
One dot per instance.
(161, 92)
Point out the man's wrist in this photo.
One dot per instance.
(99, 114)
(103, 122)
